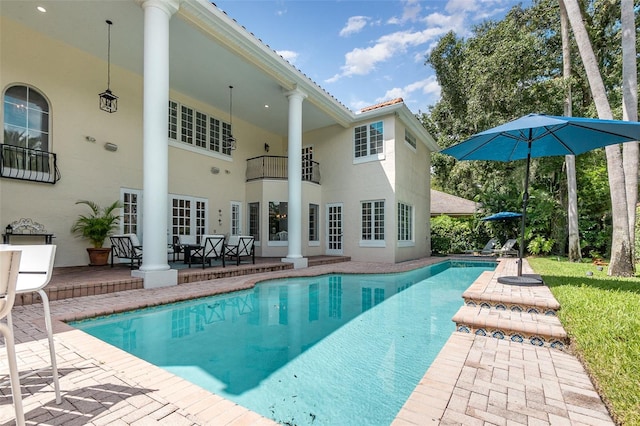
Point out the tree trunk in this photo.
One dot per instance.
(630, 112)
(621, 263)
(570, 161)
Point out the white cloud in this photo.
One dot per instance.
(354, 25)
(410, 13)
(361, 61)
(429, 86)
(288, 55)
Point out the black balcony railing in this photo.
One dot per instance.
(29, 164)
(275, 167)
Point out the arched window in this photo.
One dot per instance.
(26, 118)
(26, 140)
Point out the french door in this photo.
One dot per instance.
(188, 216)
(334, 229)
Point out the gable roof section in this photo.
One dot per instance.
(382, 104)
(451, 205)
(402, 112)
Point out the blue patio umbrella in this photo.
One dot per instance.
(502, 216)
(538, 135)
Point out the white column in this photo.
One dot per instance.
(155, 268)
(294, 214)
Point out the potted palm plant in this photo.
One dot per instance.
(96, 227)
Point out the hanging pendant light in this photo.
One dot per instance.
(230, 142)
(108, 101)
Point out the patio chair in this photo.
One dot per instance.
(211, 247)
(9, 266)
(487, 250)
(507, 249)
(126, 246)
(36, 268)
(175, 248)
(240, 246)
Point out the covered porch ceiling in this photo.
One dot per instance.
(208, 52)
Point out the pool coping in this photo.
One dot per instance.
(124, 389)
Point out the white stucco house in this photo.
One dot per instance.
(307, 176)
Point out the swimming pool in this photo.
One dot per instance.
(336, 349)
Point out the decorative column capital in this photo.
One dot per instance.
(168, 6)
(296, 93)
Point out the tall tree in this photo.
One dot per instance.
(570, 160)
(622, 262)
(630, 111)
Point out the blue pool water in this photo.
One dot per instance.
(329, 350)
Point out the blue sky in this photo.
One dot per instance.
(364, 52)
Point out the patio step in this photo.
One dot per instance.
(486, 293)
(522, 327)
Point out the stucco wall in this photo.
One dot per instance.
(71, 80)
(350, 184)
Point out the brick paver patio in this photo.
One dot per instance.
(474, 380)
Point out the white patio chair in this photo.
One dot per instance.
(9, 266)
(36, 267)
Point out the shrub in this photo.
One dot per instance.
(451, 235)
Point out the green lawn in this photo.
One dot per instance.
(601, 314)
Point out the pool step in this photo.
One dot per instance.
(522, 327)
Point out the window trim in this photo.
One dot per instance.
(409, 138)
(316, 242)
(176, 128)
(276, 243)
(373, 242)
(411, 241)
(379, 156)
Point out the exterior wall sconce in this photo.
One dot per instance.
(215, 170)
(266, 147)
(108, 101)
(111, 147)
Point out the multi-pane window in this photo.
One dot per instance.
(201, 130)
(372, 221)
(236, 225)
(130, 211)
(186, 125)
(226, 134)
(307, 163)
(26, 118)
(198, 129)
(214, 132)
(26, 136)
(368, 140)
(173, 120)
(254, 221)
(314, 213)
(278, 222)
(405, 222)
(409, 138)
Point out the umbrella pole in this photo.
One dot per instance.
(525, 199)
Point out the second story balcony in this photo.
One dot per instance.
(276, 167)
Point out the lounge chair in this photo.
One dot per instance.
(486, 251)
(507, 249)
